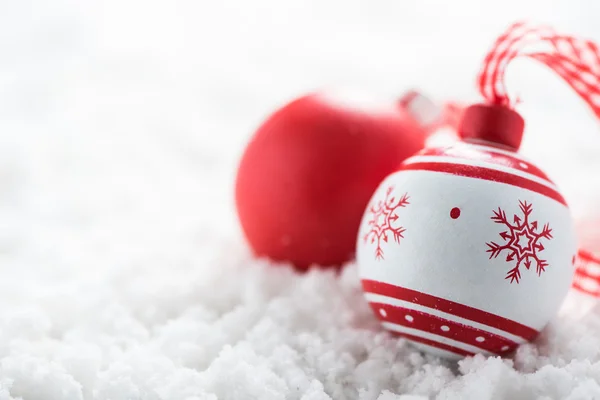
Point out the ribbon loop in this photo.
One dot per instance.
(575, 60)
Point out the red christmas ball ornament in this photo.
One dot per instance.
(454, 245)
(311, 167)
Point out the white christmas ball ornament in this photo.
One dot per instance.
(470, 248)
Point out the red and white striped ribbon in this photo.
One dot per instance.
(576, 60)
(585, 290)
(587, 274)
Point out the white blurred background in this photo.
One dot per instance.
(123, 272)
(122, 121)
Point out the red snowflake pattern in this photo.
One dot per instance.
(383, 219)
(522, 241)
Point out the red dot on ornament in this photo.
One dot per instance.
(455, 213)
(573, 260)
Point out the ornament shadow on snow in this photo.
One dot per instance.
(523, 241)
(383, 217)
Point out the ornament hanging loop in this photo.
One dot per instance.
(575, 60)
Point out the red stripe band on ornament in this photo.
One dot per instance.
(489, 155)
(450, 307)
(478, 172)
(443, 327)
(433, 343)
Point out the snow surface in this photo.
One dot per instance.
(123, 273)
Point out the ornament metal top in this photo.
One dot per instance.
(470, 248)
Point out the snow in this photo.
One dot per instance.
(123, 273)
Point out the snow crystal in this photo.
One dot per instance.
(123, 272)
